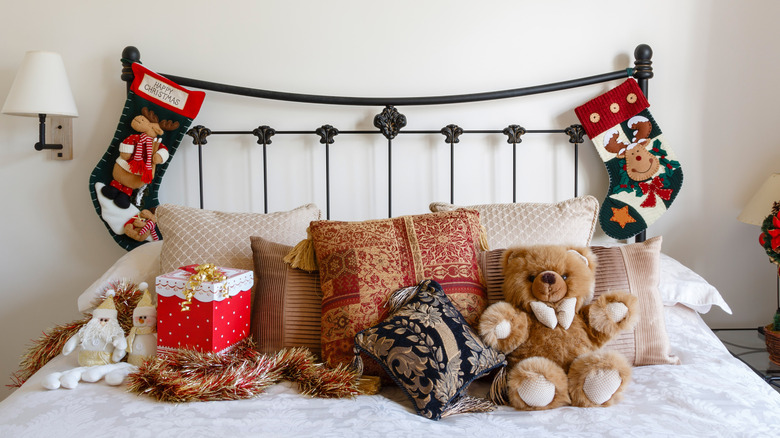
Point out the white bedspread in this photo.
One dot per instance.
(711, 394)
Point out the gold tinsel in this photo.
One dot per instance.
(51, 343)
(187, 375)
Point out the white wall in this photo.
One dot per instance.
(714, 96)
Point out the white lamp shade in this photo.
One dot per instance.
(760, 204)
(41, 87)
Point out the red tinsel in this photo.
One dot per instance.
(186, 375)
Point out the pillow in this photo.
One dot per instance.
(569, 222)
(431, 352)
(139, 265)
(679, 284)
(361, 263)
(632, 268)
(287, 307)
(192, 235)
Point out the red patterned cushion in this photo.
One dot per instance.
(362, 263)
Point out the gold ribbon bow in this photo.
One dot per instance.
(206, 272)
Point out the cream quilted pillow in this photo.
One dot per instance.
(569, 222)
(191, 235)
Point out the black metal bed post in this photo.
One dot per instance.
(643, 72)
(327, 134)
(389, 122)
(199, 136)
(452, 171)
(327, 181)
(264, 134)
(452, 133)
(514, 172)
(576, 135)
(514, 135)
(389, 177)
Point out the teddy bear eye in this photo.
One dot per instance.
(565, 276)
(531, 278)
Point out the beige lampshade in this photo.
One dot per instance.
(760, 204)
(41, 87)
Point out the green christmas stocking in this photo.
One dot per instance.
(644, 175)
(124, 184)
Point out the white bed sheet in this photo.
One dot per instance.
(709, 394)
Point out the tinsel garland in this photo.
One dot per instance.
(51, 343)
(187, 375)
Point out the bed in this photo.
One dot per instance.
(685, 382)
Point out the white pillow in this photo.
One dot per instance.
(679, 284)
(140, 264)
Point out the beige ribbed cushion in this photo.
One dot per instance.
(632, 268)
(569, 222)
(287, 309)
(191, 235)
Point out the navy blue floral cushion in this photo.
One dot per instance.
(430, 351)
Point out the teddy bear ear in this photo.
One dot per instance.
(511, 253)
(587, 256)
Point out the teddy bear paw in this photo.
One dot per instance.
(503, 329)
(600, 385)
(536, 391)
(617, 311)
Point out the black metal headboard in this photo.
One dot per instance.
(390, 123)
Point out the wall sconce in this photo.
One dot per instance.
(41, 88)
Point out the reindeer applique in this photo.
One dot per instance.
(641, 165)
(139, 154)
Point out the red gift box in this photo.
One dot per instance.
(218, 315)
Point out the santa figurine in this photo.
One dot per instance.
(142, 340)
(102, 339)
(102, 342)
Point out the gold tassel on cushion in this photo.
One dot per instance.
(303, 256)
(483, 240)
(498, 388)
(468, 404)
(368, 385)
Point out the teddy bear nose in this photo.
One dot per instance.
(548, 277)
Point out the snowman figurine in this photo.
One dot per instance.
(142, 340)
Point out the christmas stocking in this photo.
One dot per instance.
(644, 175)
(125, 182)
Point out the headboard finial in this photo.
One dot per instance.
(644, 66)
(129, 55)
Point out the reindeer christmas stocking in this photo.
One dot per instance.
(125, 182)
(644, 175)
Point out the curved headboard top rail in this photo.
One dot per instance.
(642, 71)
(390, 121)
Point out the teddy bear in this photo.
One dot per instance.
(142, 226)
(552, 331)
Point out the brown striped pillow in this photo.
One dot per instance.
(287, 306)
(632, 268)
